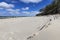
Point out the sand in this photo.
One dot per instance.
(30, 28)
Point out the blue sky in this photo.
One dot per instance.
(22, 7)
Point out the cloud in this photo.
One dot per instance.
(6, 5)
(32, 13)
(8, 8)
(14, 1)
(31, 1)
(26, 12)
(26, 8)
(13, 11)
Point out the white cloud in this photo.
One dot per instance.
(31, 1)
(1, 8)
(26, 8)
(26, 12)
(8, 9)
(13, 11)
(14, 1)
(32, 13)
(6, 5)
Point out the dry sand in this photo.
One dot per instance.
(30, 28)
(52, 32)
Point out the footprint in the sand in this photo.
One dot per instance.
(42, 27)
(33, 35)
(30, 37)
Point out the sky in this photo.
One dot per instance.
(22, 7)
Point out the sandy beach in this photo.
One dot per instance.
(52, 32)
(30, 28)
